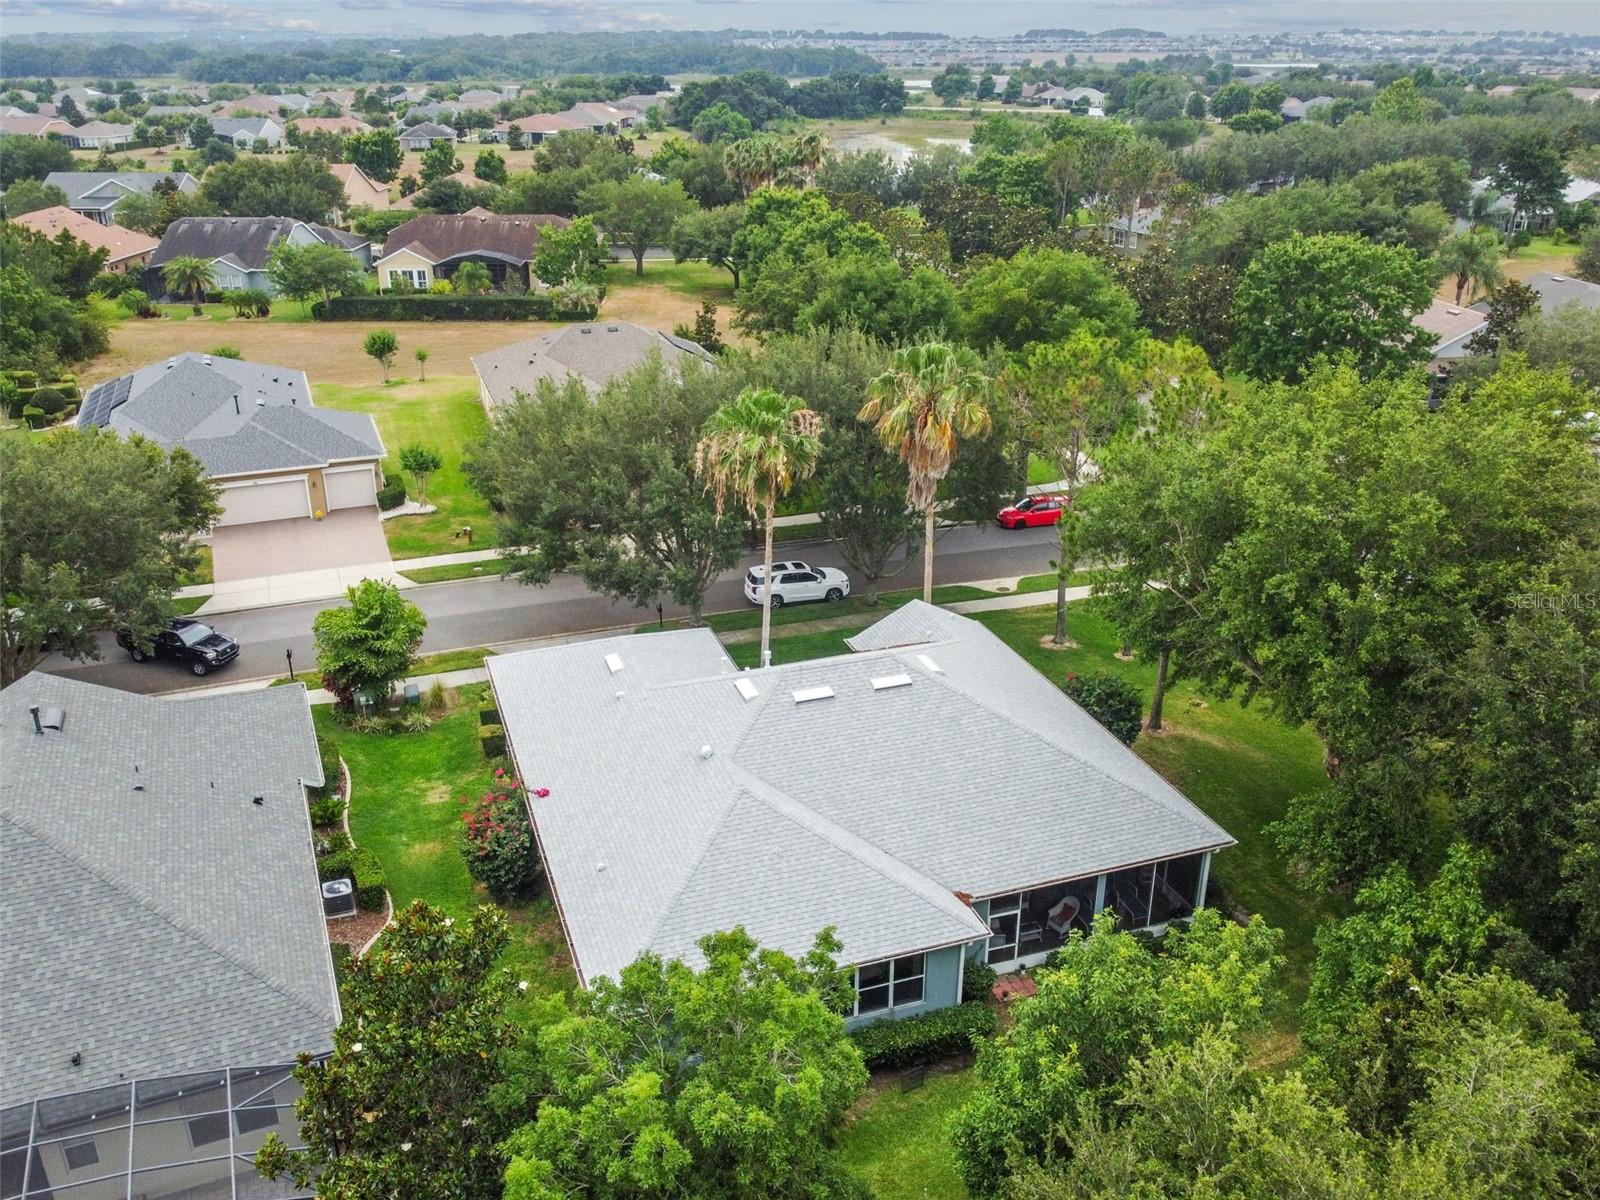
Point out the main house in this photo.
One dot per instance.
(99, 135)
(96, 193)
(255, 430)
(431, 247)
(239, 249)
(424, 134)
(594, 353)
(930, 796)
(126, 249)
(245, 132)
(162, 939)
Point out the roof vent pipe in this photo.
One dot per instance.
(138, 782)
(236, 410)
(37, 728)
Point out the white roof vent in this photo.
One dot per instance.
(613, 663)
(705, 751)
(1453, 311)
(803, 695)
(1558, 279)
(884, 682)
(929, 665)
(746, 688)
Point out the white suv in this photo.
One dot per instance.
(797, 581)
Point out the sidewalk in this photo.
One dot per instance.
(811, 518)
(330, 583)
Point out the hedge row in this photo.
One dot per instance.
(492, 738)
(933, 1036)
(362, 866)
(533, 306)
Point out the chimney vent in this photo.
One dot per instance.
(37, 728)
(138, 781)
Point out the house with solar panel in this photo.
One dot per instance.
(162, 940)
(274, 454)
(929, 795)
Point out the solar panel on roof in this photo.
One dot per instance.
(97, 405)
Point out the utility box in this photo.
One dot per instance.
(339, 897)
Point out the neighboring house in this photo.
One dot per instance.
(1504, 89)
(535, 128)
(239, 249)
(686, 796)
(423, 135)
(1133, 234)
(35, 125)
(244, 132)
(480, 98)
(1093, 97)
(162, 938)
(254, 429)
(1455, 324)
(1503, 210)
(594, 353)
(1587, 94)
(267, 106)
(96, 193)
(83, 97)
(433, 245)
(338, 97)
(600, 117)
(173, 110)
(643, 102)
(100, 135)
(359, 187)
(126, 249)
(343, 126)
(438, 111)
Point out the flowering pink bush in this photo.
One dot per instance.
(497, 840)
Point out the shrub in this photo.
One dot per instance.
(33, 415)
(327, 810)
(497, 841)
(492, 738)
(363, 867)
(393, 494)
(133, 302)
(927, 1038)
(437, 699)
(976, 981)
(1112, 701)
(334, 841)
(393, 306)
(488, 714)
(48, 401)
(224, 352)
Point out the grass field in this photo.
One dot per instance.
(406, 809)
(444, 413)
(667, 294)
(897, 1140)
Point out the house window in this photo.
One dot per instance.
(893, 983)
(80, 1155)
(417, 278)
(258, 1114)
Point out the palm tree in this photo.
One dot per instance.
(754, 450)
(1481, 207)
(1473, 258)
(930, 398)
(189, 275)
(473, 278)
(806, 152)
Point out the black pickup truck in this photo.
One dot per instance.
(189, 641)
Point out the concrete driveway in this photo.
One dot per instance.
(346, 540)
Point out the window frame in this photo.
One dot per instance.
(898, 971)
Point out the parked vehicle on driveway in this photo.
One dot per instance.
(796, 582)
(191, 642)
(1031, 510)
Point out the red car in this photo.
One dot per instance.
(1031, 510)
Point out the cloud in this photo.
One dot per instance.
(371, 5)
(582, 13)
(201, 12)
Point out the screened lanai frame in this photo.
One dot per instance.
(171, 1137)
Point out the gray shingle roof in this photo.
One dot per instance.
(248, 241)
(188, 401)
(169, 929)
(595, 353)
(428, 129)
(89, 189)
(818, 813)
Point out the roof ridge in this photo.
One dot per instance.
(148, 904)
(689, 875)
(870, 855)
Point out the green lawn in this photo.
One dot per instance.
(443, 413)
(698, 280)
(489, 569)
(1546, 252)
(406, 808)
(897, 1139)
(283, 312)
(202, 570)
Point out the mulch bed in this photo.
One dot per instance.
(355, 931)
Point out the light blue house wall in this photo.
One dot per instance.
(941, 987)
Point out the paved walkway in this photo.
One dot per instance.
(328, 583)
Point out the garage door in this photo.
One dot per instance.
(349, 489)
(273, 500)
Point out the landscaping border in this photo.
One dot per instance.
(344, 821)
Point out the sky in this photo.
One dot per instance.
(999, 17)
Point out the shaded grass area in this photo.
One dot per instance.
(897, 1138)
(444, 413)
(428, 664)
(221, 315)
(406, 808)
(698, 280)
(202, 572)
(184, 605)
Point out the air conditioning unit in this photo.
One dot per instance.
(339, 897)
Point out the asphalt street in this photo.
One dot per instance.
(487, 612)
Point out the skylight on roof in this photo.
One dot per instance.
(613, 663)
(802, 695)
(884, 682)
(746, 688)
(929, 665)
